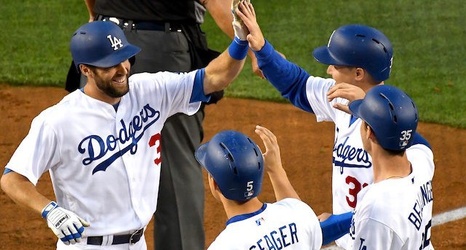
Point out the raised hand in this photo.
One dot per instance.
(241, 31)
(248, 16)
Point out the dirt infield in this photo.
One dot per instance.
(306, 148)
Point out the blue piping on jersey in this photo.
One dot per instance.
(6, 171)
(246, 216)
(352, 120)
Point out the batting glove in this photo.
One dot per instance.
(241, 31)
(66, 225)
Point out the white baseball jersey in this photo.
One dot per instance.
(352, 165)
(397, 213)
(286, 224)
(105, 163)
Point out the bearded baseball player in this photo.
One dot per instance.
(359, 58)
(395, 212)
(101, 143)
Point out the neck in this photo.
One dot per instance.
(387, 166)
(232, 208)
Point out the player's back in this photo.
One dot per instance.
(286, 224)
(396, 213)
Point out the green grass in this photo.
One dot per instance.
(428, 38)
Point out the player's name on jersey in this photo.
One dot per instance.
(424, 197)
(277, 239)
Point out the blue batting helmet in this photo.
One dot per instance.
(235, 162)
(390, 113)
(101, 44)
(358, 46)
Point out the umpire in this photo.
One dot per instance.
(169, 34)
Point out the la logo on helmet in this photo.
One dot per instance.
(115, 41)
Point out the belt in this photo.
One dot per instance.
(142, 25)
(117, 239)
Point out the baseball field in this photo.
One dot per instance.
(428, 39)
(306, 148)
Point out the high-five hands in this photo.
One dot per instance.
(66, 225)
(246, 12)
(241, 31)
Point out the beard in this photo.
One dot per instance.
(111, 89)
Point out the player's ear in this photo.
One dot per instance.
(85, 70)
(212, 182)
(360, 73)
(371, 134)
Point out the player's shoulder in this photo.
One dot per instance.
(61, 110)
(420, 151)
(294, 205)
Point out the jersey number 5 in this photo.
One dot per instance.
(155, 142)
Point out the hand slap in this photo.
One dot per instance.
(241, 31)
(248, 16)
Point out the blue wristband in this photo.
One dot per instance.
(238, 49)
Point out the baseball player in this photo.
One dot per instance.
(395, 212)
(235, 167)
(101, 144)
(359, 58)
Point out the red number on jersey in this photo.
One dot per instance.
(353, 191)
(155, 142)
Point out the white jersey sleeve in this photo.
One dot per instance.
(286, 224)
(39, 146)
(316, 91)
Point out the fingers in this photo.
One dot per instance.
(342, 107)
(266, 135)
(346, 91)
(272, 151)
(83, 222)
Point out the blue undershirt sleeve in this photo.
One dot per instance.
(7, 170)
(198, 89)
(335, 227)
(288, 78)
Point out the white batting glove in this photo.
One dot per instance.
(241, 31)
(66, 225)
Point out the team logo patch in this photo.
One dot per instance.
(259, 221)
(115, 42)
